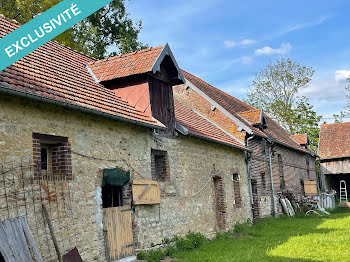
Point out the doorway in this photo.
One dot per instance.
(117, 214)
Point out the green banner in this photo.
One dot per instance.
(44, 28)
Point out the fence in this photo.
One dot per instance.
(22, 194)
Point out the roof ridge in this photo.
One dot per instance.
(247, 111)
(217, 89)
(328, 124)
(128, 54)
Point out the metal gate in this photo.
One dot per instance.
(118, 227)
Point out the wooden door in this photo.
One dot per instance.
(118, 228)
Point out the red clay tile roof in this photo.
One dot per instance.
(59, 73)
(301, 139)
(199, 126)
(125, 65)
(223, 99)
(334, 140)
(234, 106)
(253, 116)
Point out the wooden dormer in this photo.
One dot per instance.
(145, 80)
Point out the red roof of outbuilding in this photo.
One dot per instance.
(58, 73)
(301, 139)
(334, 140)
(201, 127)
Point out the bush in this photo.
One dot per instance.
(172, 246)
(197, 239)
(152, 255)
(242, 228)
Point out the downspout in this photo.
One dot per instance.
(271, 179)
(318, 175)
(248, 157)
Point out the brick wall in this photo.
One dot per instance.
(195, 101)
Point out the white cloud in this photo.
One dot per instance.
(327, 95)
(243, 42)
(246, 60)
(284, 48)
(317, 22)
(341, 75)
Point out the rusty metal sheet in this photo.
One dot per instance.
(72, 256)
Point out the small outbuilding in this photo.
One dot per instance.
(334, 152)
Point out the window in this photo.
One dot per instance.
(302, 187)
(263, 180)
(281, 173)
(51, 157)
(160, 166)
(112, 196)
(254, 186)
(237, 191)
(44, 158)
(263, 146)
(308, 167)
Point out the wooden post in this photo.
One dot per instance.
(46, 215)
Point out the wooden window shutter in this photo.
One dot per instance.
(145, 192)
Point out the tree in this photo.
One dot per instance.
(306, 120)
(275, 90)
(109, 27)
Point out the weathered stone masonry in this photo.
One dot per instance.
(98, 143)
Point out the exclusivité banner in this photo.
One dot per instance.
(44, 28)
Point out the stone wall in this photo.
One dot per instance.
(98, 143)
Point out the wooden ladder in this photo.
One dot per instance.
(343, 193)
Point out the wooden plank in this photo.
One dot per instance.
(30, 240)
(118, 225)
(310, 188)
(145, 192)
(14, 235)
(144, 182)
(46, 215)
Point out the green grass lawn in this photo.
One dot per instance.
(302, 238)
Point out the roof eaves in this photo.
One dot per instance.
(7, 90)
(180, 128)
(167, 51)
(218, 142)
(333, 158)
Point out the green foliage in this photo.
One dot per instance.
(174, 245)
(306, 120)
(108, 27)
(242, 228)
(275, 89)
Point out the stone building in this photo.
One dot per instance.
(334, 152)
(274, 152)
(118, 162)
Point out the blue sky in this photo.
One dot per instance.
(227, 42)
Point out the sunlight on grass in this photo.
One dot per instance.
(331, 243)
(340, 223)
